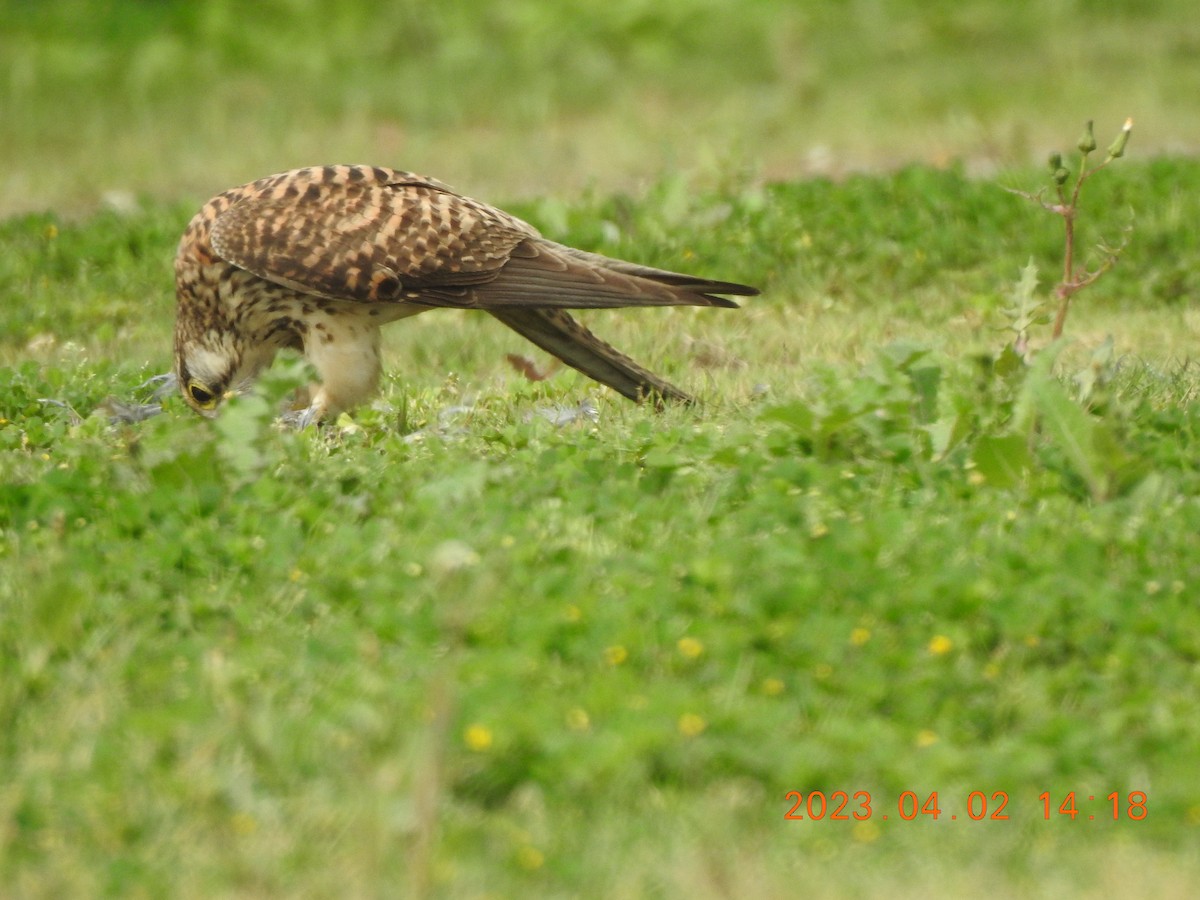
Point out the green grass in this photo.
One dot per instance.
(108, 101)
(475, 654)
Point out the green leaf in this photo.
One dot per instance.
(1025, 310)
(1002, 459)
(925, 381)
(947, 433)
(797, 414)
(1073, 431)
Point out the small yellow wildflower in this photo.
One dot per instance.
(940, 645)
(860, 636)
(926, 738)
(243, 823)
(478, 737)
(691, 724)
(615, 655)
(772, 687)
(577, 719)
(822, 671)
(573, 613)
(866, 832)
(690, 647)
(530, 857)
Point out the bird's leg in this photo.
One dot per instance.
(345, 353)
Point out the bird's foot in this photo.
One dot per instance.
(299, 419)
(164, 385)
(121, 412)
(560, 415)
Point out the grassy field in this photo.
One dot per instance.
(104, 101)
(473, 643)
(453, 647)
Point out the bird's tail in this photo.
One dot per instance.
(556, 332)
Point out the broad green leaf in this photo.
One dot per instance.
(1003, 459)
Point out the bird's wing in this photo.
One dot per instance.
(369, 239)
(542, 274)
(375, 235)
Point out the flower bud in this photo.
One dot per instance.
(1117, 148)
(1055, 162)
(1087, 140)
(1061, 174)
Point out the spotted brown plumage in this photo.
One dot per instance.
(318, 259)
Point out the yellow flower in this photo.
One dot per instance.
(478, 737)
(243, 823)
(940, 645)
(691, 724)
(615, 655)
(690, 647)
(822, 670)
(772, 687)
(860, 636)
(866, 832)
(530, 857)
(577, 719)
(926, 738)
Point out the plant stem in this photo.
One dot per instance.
(1064, 291)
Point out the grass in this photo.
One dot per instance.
(104, 102)
(448, 648)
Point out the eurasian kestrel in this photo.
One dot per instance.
(317, 259)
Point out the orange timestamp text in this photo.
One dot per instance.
(846, 806)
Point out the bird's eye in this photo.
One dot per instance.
(201, 396)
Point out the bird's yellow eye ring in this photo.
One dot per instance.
(201, 395)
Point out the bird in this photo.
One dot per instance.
(318, 259)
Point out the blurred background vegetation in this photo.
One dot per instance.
(106, 100)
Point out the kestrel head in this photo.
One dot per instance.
(208, 367)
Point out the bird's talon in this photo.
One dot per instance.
(164, 385)
(299, 419)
